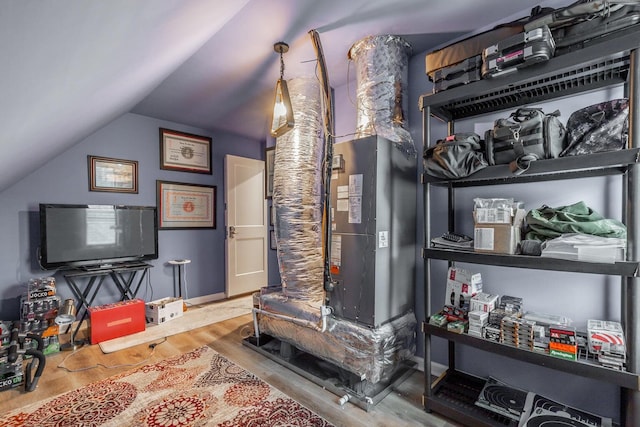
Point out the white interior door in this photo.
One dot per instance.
(246, 223)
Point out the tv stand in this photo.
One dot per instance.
(123, 276)
(95, 267)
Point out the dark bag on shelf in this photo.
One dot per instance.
(528, 134)
(597, 128)
(457, 156)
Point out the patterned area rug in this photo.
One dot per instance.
(199, 388)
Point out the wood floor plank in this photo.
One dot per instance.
(401, 407)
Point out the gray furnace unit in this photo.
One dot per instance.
(373, 239)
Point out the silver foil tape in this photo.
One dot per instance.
(382, 77)
(297, 196)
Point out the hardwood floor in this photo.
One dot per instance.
(402, 407)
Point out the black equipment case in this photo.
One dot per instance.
(464, 72)
(518, 51)
(572, 37)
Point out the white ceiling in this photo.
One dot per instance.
(71, 66)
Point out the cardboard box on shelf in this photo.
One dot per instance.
(501, 238)
(116, 320)
(483, 302)
(163, 310)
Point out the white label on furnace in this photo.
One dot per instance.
(383, 239)
(342, 204)
(343, 191)
(355, 199)
(336, 250)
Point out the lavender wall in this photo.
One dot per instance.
(64, 179)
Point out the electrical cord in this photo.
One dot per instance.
(152, 346)
(186, 291)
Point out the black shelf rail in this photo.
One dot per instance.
(590, 165)
(622, 268)
(621, 378)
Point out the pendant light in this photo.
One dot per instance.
(282, 118)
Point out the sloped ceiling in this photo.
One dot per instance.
(70, 67)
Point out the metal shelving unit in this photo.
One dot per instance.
(606, 61)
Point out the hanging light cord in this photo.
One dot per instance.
(281, 65)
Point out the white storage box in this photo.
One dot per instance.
(461, 286)
(163, 310)
(483, 302)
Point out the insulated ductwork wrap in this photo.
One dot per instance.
(372, 354)
(297, 196)
(382, 76)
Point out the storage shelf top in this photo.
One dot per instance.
(568, 74)
(624, 268)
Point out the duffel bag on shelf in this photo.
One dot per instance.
(527, 135)
(456, 156)
(550, 222)
(597, 128)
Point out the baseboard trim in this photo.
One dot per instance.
(437, 369)
(206, 299)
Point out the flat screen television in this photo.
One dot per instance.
(73, 236)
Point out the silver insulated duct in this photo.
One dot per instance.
(381, 77)
(297, 196)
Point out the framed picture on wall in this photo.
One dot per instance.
(272, 214)
(269, 161)
(113, 175)
(183, 206)
(186, 152)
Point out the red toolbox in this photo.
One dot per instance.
(116, 320)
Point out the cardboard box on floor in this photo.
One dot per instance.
(163, 310)
(500, 238)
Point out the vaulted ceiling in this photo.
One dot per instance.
(69, 67)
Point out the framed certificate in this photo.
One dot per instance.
(114, 175)
(181, 151)
(185, 205)
(269, 161)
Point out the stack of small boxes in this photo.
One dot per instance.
(38, 310)
(481, 305)
(517, 332)
(10, 373)
(507, 306)
(606, 341)
(462, 286)
(563, 343)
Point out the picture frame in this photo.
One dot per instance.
(272, 215)
(185, 152)
(269, 162)
(272, 240)
(112, 175)
(184, 206)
